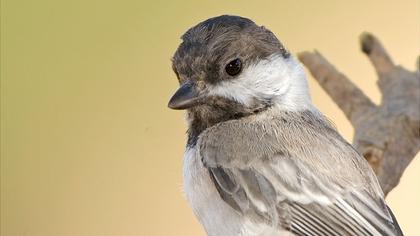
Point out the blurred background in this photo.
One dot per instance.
(88, 145)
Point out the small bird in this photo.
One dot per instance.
(260, 158)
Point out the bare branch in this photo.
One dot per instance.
(376, 53)
(348, 96)
(388, 135)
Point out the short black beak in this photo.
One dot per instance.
(185, 97)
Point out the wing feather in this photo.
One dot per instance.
(317, 206)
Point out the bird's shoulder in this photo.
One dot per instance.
(306, 135)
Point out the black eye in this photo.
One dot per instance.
(234, 67)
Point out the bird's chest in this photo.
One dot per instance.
(214, 214)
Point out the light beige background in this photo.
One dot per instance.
(88, 146)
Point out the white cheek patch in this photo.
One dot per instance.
(280, 80)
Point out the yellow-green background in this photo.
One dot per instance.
(88, 146)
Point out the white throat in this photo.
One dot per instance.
(277, 79)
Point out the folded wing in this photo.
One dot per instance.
(281, 192)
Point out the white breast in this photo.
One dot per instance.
(214, 214)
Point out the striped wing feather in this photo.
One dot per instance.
(289, 195)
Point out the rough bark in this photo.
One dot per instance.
(388, 134)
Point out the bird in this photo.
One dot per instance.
(260, 158)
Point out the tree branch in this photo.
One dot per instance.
(388, 135)
(351, 100)
(376, 53)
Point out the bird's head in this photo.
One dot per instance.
(229, 67)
